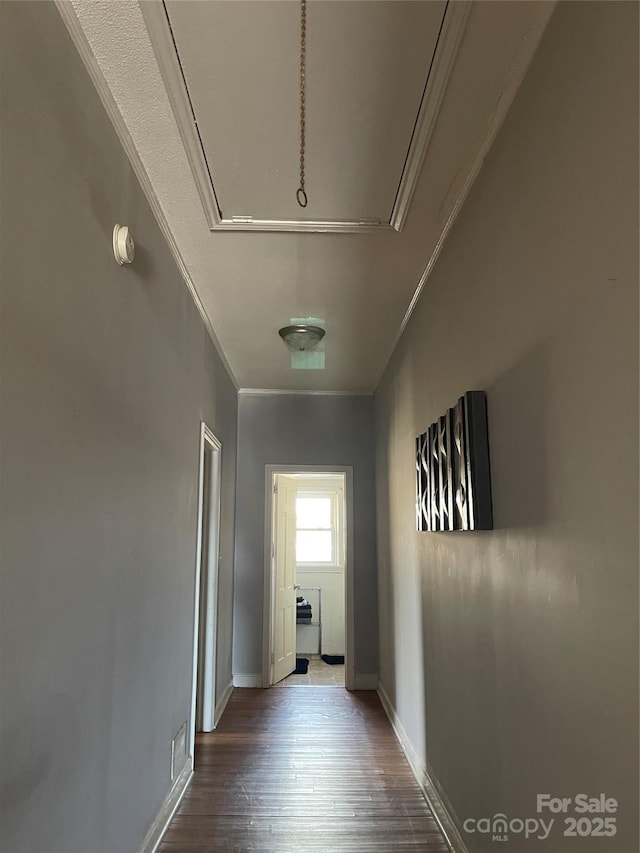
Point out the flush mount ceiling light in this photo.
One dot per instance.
(302, 336)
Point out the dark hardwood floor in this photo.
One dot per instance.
(313, 769)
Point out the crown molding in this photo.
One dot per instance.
(281, 392)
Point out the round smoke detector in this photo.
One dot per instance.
(123, 245)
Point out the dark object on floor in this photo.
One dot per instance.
(302, 665)
(333, 659)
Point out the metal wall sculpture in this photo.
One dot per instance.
(453, 477)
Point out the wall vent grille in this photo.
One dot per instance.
(179, 751)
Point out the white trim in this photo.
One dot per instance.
(446, 49)
(247, 680)
(318, 227)
(206, 437)
(280, 392)
(78, 37)
(453, 26)
(267, 635)
(169, 807)
(516, 76)
(440, 807)
(350, 675)
(222, 703)
(209, 653)
(315, 568)
(157, 24)
(366, 681)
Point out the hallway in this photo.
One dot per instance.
(314, 769)
(506, 657)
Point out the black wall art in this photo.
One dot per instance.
(453, 477)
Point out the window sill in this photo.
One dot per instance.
(310, 568)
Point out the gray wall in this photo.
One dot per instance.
(511, 656)
(106, 375)
(302, 430)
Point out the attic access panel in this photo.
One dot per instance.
(376, 73)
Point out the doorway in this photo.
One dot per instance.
(203, 703)
(308, 577)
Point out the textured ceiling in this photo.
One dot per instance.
(360, 285)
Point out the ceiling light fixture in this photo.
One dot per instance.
(302, 336)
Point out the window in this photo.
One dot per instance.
(317, 528)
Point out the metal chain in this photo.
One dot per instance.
(301, 195)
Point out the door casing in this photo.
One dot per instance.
(268, 634)
(283, 563)
(205, 618)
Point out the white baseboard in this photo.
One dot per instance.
(253, 679)
(438, 804)
(366, 681)
(169, 807)
(222, 703)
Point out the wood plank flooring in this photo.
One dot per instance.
(313, 769)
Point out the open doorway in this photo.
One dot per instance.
(203, 704)
(308, 585)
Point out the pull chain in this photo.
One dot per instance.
(301, 195)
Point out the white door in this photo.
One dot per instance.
(284, 634)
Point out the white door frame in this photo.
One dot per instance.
(267, 622)
(208, 441)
